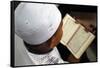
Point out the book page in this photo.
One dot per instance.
(85, 45)
(79, 38)
(69, 28)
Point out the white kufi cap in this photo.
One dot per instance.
(35, 23)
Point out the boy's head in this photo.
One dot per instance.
(47, 45)
(39, 25)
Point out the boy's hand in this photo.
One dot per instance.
(88, 26)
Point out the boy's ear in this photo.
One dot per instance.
(52, 44)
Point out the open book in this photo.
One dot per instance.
(75, 38)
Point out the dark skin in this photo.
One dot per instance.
(57, 36)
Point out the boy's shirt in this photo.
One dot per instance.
(53, 57)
